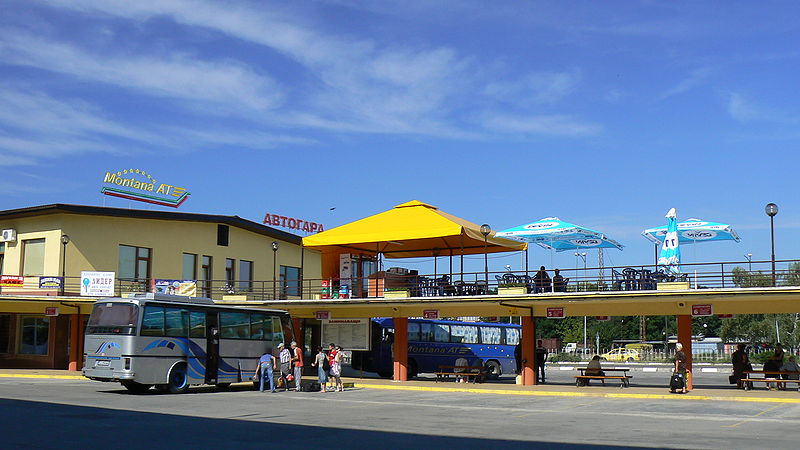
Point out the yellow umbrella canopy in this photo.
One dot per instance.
(409, 230)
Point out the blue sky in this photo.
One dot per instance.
(605, 114)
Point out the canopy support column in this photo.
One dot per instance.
(685, 338)
(528, 354)
(75, 342)
(400, 349)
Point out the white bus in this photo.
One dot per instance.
(172, 342)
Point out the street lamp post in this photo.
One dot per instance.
(64, 242)
(772, 209)
(749, 257)
(485, 230)
(274, 270)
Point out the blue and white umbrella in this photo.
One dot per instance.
(692, 231)
(553, 233)
(670, 255)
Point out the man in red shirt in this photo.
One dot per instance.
(297, 359)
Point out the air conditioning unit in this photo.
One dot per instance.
(9, 235)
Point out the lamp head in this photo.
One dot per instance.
(274, 246)
(771, 209)
(64, 239)
(486, 229)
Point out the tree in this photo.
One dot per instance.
(743, 278)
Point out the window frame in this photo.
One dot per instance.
(193, 258)
(137, 258)
(25, 257)
(21, 333)
(245, 276)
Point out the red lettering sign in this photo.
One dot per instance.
(11, 281)
(555, 313)
(602, 318)
(322, 315)
(430, 314)
(292, 223)
(702, 310)
(51, 311)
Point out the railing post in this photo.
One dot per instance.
(722, 268)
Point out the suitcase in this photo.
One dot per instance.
(676, 382)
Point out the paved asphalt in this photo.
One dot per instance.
(39, 413)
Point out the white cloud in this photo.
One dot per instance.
(551, 125)
(541, 87)
(742, 110)
(695, 78)
(176, 76)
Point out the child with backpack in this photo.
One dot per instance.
(323, 366)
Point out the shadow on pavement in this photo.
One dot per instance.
(55, 425)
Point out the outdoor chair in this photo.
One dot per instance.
(616, 280)
(630, 279)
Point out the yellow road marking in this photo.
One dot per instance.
(53, 377)
(751, 418)
(579, 394)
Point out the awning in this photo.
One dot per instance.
(412, 229)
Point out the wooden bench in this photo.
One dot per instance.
(583, 379)
(748, 380)
(473, 373)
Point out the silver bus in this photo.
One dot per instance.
(172, 342)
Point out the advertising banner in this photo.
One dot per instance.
(97, 284)
(186, 288)
(11, 281)
(50, 282)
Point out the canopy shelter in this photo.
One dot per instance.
(410, 230)
(553, 233)
(692, 231)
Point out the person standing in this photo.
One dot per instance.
(322, 365)
(266, 365)
(285, 358)
(741, 363)
(541, 359)
(680, 364)
(297, 360)
(335, 358)
(558, 282)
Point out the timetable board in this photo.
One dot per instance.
(351, 334)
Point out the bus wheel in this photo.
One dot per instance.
(178, 382)
(493, 369)
(383, 374)
(135, 387)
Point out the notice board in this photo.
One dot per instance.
(351, 334)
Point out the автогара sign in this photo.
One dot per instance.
(136, 184)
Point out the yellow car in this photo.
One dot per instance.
(621, 354)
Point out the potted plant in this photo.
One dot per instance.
(512, 289)
(396, 293)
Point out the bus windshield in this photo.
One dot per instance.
(113, 318)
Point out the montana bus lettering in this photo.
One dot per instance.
(136, 184)
(444, 350)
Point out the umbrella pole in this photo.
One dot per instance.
(526, 261)
(451, 265)
(462, 258)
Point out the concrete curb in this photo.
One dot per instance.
(46, 377)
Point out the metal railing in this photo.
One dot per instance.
(728, 274)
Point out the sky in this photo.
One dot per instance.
(604, 114)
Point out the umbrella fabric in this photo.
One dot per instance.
(554, 233)
(670, 255)
(693, 231)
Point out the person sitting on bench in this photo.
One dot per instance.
(463, 363)
(594, 368)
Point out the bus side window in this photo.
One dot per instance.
(234, 325)
(441, 333)
(491, 335)
(512, 336)
(257, 322)
(153, 321)
(413, 332)
(464, 334)
(277, 330)
(177, 322)
(425, 332)
(197, 324)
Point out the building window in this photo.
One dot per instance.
(206, 275)
(230, 273)
(223, 234)
(34, 335)
(134, 264)
(33, 258)
(290, 281)
(245, 276)
(189, 266)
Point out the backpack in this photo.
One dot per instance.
(326, 364)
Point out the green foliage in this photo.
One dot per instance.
(792, 276)
(743, 278)
(565, 357)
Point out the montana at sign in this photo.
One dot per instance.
(137, 184)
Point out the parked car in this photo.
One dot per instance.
(622, 354)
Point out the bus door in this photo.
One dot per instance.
(212, 347)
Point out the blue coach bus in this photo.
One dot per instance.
(432, 343)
